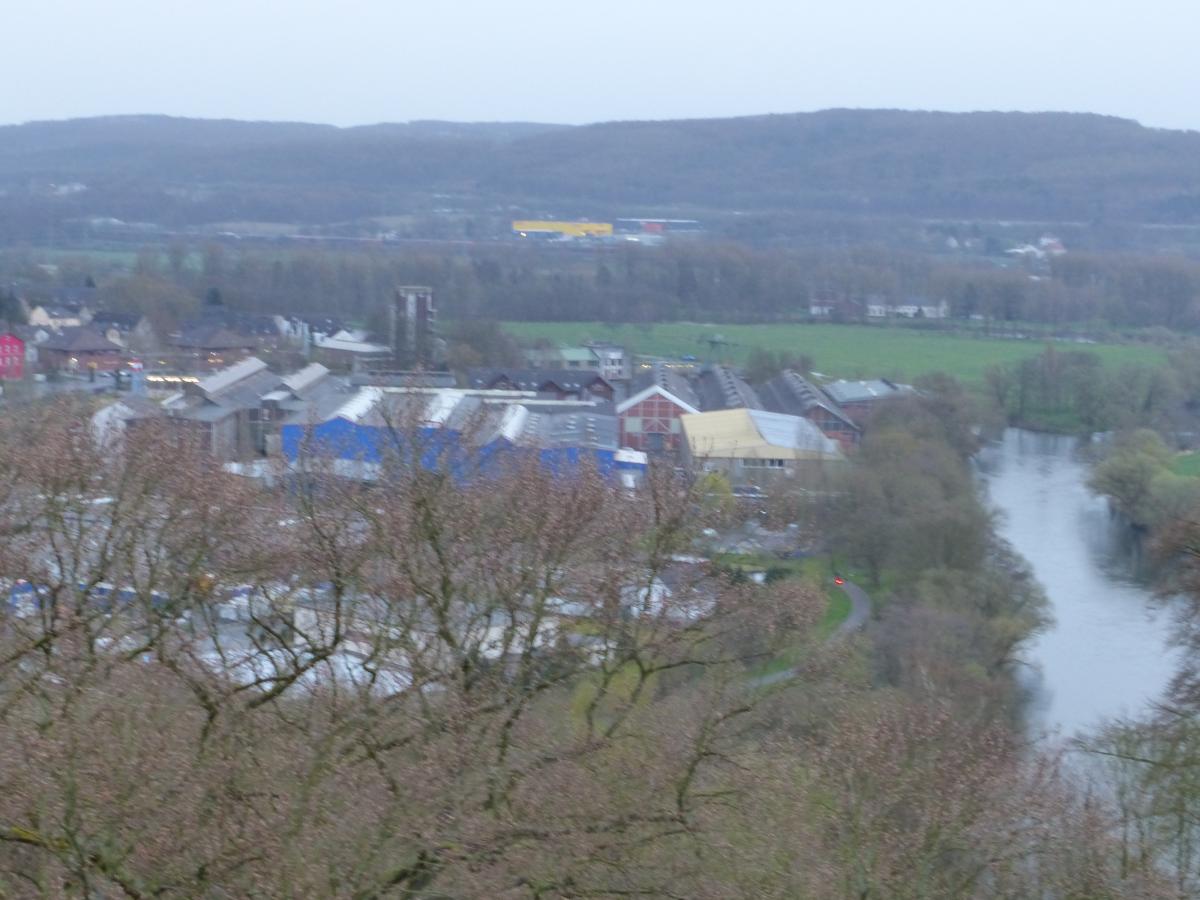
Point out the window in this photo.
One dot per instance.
(763, 463)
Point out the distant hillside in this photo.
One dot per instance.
(1050, 166)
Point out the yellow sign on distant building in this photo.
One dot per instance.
(566, 229)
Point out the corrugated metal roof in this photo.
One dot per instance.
(793, 432)
(222, 380)
(756, 434)
(305, 378)
(791, 393)
(843, 391)
(719, 387)
(359, 406)
(324, 343)
(570, 380)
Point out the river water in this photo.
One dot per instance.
(1107, 653)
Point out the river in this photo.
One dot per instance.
(1107, 652)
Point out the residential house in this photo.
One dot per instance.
(80, 349)
(12, 357)
(33, 336)
(753, 445)
(126, 329)
(269, 332)
(212, 345)
(59, 316)
(649, 420)
(793, 394)
(608, 360)
(577, 357)
(615, 364)
(913, 308)
(81, 297)
(921, 308)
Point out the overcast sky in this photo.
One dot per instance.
(358, 61)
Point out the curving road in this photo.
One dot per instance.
(860, 611)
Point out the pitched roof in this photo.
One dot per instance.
(74, 297)
(791, 393)
(119, 320)
(29, 333)
(756, 434)
(570, 380)
(213, 337)
(668, 379)
(581, 428)
(348, 346)
(223, 380)
(660, 391)
(842, 391)
(300, 381)
(719, 387)
(80, 339)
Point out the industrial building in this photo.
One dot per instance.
(549, 228)
(459, 430)
(751, 445)
(412, 326)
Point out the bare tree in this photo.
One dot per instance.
(442, 681)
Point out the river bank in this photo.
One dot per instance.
(1108, 651)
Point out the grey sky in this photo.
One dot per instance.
(359, 61)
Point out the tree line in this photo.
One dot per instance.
(1072, 391)
(859, 164)
(702, 281)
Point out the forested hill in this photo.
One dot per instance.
(1047, 166)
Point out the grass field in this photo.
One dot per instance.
(843, 351)
(119, 258)
(1187, 464)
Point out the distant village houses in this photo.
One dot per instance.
(80, 349)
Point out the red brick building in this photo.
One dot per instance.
(649, 420)
(792, 394)
(12, 357)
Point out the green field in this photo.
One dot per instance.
(843, 351)
(119, 258)
(1187, 464)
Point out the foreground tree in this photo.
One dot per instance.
(461, 675)
(460, 683)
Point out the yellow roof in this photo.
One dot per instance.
(756, 434)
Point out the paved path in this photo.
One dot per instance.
(860, 611)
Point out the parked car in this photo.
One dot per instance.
(750, 493)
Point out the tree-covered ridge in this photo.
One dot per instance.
(1054, 166)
